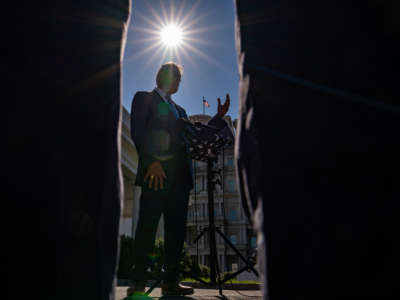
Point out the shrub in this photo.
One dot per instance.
(226, 274)
(126, 260)
(158, 259)
(204, 271)
(126, 255)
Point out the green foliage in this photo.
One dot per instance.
(226, 274)
(197, 270)
(126, 256)
(158, 259)
(126, 260)
(205, 271)
(185, 264)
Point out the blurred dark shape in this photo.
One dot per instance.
(318, 149)
(71, 198)
(204, 141)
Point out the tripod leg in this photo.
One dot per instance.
(200, 235)
(153, 286)
(219, 281)
(249, 265)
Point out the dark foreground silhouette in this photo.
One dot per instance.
(318, 145)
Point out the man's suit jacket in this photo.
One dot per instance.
(157, 136)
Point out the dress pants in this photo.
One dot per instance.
(172, 201)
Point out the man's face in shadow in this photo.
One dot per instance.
(174, 86)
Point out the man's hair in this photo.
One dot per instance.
(167, 72)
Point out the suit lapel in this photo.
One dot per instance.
(162, 108)
(157, 97)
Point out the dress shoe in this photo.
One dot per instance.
(137, 288)
(176, 289)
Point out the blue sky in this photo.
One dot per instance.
(208, 54)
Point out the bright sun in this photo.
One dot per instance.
(171, 35)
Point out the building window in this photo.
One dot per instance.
(197, 185)
(233, 216)
(232, 261)
(217, 211)
(231, 185)
(207, 260)
(229, 162)
(233, 239)
(253, 242)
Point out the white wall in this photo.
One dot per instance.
(125, 226)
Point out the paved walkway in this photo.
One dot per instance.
(199, 294)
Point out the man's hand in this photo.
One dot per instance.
(156, 175)
(223, 109)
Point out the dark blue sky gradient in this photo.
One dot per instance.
(211, 74)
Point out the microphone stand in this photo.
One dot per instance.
(215, 276)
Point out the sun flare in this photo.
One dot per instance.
(171, 35)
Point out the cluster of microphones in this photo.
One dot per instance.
(204, 141)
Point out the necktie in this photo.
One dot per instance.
(181, 134)
(172, 106)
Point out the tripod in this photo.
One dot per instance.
(212, 230)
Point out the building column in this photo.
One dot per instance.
(224, 263)
(221, 262)
(137, 191)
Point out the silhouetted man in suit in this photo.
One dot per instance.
(165, 174)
